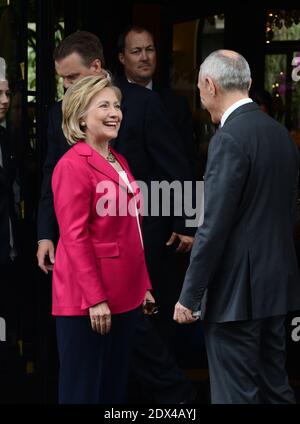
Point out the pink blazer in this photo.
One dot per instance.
(98, 258)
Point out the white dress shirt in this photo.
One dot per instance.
(124, 177)
(233, 107)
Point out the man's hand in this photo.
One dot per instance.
(45, 255)
(185, 245)
(183, 315)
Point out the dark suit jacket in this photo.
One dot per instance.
(147, 139)
(7, 175)
(244, 252)
(47, 227)
(179, 112)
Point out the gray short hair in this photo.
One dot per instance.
(230, 71)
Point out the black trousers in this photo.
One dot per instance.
(166, 269)
(9, 298)
(155, 376)
(94, 368)
(247, 361)
(11, 370)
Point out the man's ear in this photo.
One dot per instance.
(250, 83)
(210, 86)
(96, 66)
(121, 58)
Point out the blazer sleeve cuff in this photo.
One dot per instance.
(190, 303)
(92, 301)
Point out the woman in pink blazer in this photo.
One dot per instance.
(100, 278)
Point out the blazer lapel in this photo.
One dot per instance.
(99, 163)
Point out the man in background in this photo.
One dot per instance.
(9, 294)
(137, 54)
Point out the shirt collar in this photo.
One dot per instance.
(233, 107)
(149, 85)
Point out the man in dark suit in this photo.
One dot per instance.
(7, 213)
(137, 54)
(243, 261)
(5, 175)
(151, 146)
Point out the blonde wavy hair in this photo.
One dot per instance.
(75, 104)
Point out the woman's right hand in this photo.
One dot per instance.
(100, 316)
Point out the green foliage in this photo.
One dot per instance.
(31, 57)
(31, 52)
(286, 33)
